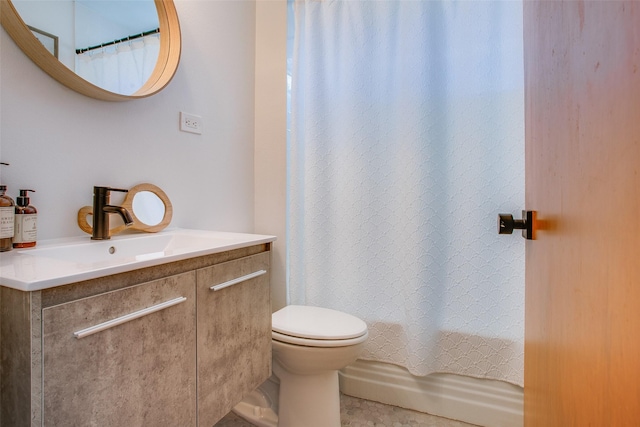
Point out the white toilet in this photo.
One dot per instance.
(310, 345)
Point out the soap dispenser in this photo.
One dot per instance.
(7, 213)
(26, 222)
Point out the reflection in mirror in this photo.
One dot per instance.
(148, 207)
(42, 23)
(113, 44)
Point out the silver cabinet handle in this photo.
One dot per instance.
(128, 317)
(238, 280)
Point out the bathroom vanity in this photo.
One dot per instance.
(164, 338)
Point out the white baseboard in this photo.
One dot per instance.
(482, 402)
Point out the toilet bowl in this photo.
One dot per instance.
(310, 344)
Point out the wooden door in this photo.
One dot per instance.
(582, 113)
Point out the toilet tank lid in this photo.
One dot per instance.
(316, 322)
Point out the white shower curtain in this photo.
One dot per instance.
(122, 68)
(407, 140)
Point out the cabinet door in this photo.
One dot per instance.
(136, 368)
(234, 334)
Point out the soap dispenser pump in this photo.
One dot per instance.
(26, 225)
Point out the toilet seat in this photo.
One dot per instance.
(317, 327)
(288, 339)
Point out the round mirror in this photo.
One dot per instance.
(148, 207)
(131, 51)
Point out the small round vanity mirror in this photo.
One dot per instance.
(149, 208)
(113, 50)
(148, 205)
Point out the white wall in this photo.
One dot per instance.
(271, 136)
(61, 144)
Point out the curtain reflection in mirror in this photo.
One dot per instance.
(122, 67)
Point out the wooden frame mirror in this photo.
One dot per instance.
(148, 205)
(168, 58)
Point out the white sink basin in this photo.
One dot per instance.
(124, 249)
(54, 263)
(104, 251)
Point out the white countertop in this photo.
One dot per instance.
(62, 261)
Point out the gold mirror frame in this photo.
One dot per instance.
(168, 58)
(128, 205)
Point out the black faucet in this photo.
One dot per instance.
(101, 211)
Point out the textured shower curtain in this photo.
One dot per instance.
(407, 140)
(123, 67)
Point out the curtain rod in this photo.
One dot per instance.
(133, 37)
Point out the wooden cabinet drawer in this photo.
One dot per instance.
(137, 368)
(234, 332)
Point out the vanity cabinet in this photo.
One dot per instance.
(122, 358)
(233, 331)
(151, 347)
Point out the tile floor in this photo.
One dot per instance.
(364, 413)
